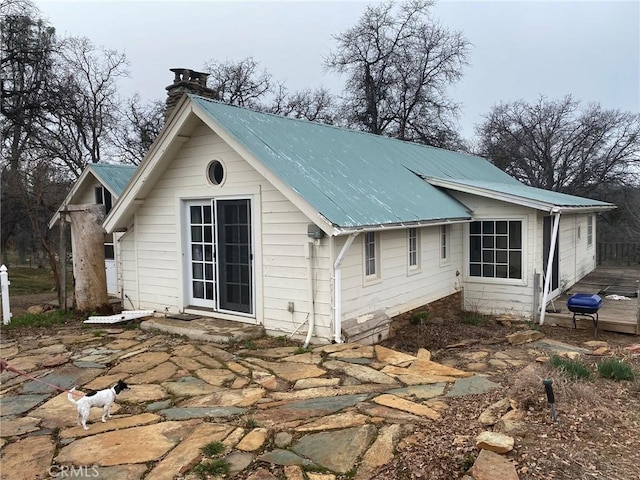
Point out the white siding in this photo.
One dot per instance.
(279, 236)
(398, 289)
(127, 270)
(576, 258)
(498, 296)
(86, 194)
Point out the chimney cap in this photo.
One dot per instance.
(189, 75)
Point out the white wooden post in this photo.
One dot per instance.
(4, 283)
(547, 278)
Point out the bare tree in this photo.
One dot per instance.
(558, 145)
(138, 128)
(85, 100)
(27, 47)
(315, 105)
(398, 67)
(240, 83)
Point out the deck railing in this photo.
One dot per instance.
(618, 254)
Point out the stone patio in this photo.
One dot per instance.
(325, 409)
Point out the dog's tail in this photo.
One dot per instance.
(70, 396)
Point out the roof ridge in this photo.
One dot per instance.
(336, 127)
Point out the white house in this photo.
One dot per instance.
(301, 227)
(99, 183)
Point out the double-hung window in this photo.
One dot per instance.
(371, 260)
(495, 249)
(590, 230)
(413, 237)
(444, 242)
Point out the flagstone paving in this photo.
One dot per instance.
(317, 414)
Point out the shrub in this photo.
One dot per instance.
(474, 318)
(213, 448)
(574, 369)
(614, 369)
(419, 318)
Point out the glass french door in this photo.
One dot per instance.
(220, 255)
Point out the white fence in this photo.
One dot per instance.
(4, 283)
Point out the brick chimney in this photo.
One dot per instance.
(186, 81)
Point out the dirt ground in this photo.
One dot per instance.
(596, 436)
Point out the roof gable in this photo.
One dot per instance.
(113, 176)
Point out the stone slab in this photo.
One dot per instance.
(471, 386)
(361, 372)
(201, 412)
(398, 403)
(115, 448)
(314, 407)
(336, 450)
(113, 423)
(27, 458)
(19, 404)
(187, 453)
(283, 457)
(18, 426)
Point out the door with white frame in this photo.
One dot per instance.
(219, 256)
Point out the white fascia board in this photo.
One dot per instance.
(127, 204)
(252, 160)
(515, 199)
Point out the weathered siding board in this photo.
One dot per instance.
(576, 258)
(496, 296)
(86, 194)
(128, 270)
(400, 289)
(586, 259)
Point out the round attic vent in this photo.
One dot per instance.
(215, 172)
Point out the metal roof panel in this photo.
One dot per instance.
(113, 176)
(348, 177)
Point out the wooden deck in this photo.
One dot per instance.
(614, 315)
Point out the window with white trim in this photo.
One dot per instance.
(370, 255)
(444, 242)
(413, 248)
(590, 230)
(495, 249)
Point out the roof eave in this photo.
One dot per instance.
(126, 205)
(518, 200)
(338, 231)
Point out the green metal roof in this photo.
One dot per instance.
(523, 194)
(356, 179)
(353, 179)
(114, 177)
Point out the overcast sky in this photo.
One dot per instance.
(521, 50)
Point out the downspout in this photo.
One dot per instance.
(312, 313)
(552, 252)
(337, 287)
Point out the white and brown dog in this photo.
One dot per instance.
(103, 398)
